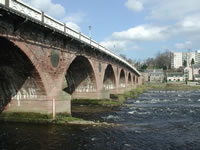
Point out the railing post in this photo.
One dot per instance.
(7, 3)
(64, 27)
(42, 17)
(79, 35)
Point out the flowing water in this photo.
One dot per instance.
(157, 120)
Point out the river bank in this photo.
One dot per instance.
(172, 86)
(90, 107)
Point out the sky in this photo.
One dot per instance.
(138, 29)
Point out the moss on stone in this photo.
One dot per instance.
(64, 119)
(37, 118)
(29, 115)
(25, 117)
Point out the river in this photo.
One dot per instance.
(156, 120)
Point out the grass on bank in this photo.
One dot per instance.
(172, 86)
(37, 118)
(135, 92)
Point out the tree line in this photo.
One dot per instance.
(162, 60)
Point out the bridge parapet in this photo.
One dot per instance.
(42, 18)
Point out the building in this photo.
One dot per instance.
(145, 76)
(192, 72)
(175, 77)
(188, 56)
(197, 57)
(176, 60)
(153, 75)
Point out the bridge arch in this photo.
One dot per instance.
(122, 79)
(80, 76)
(19, 78)
(129, 79)
(109, 81)
(133, 79)
(136, 79)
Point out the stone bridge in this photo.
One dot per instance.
(44, 64)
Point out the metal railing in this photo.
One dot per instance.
(38, 15)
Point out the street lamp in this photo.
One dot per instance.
(90, 28)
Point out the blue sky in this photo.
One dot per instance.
(136, 28)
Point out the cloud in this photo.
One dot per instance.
(130, 38)
(185, 45)
(50, 8)
(72, 20)
(58, 11)
(191, 22)
(187, 28)
(172, 9)
(141, 33)
(114, 45)
(134, 5)
(73, 26)
(74, 17)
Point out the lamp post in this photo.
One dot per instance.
(90, 28)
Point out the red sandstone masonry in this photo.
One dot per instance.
(37, 47)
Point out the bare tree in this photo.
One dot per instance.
(123, 56)
(150, 62)
(163, 60)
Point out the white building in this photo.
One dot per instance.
(192, 72)
(188, 56)
(197, 57)
(175, 77)
(176, 60)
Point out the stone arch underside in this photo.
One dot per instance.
(137, 79)
(133, 79)
(122, 80)
(129, 79)
(109, 78)
(80, 77)
(19, 79)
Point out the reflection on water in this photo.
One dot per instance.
(157, 120)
